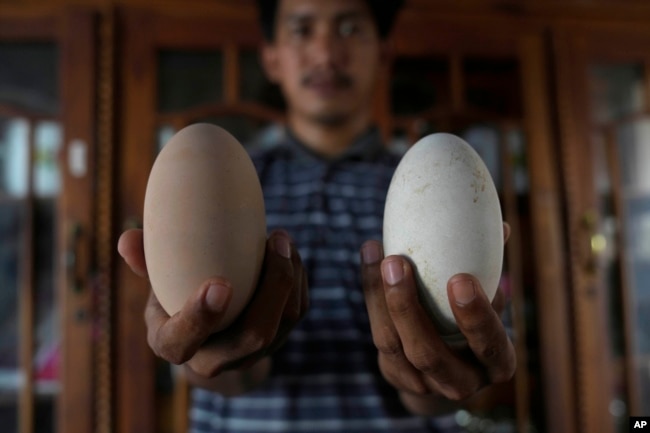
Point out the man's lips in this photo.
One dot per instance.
(327, 83)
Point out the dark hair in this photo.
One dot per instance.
(383, 11)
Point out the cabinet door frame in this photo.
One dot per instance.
(76, 411)
(577, 44)
(72, 30)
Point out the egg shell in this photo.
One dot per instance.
(443, 214)
(204, 216)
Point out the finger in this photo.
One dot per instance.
(400, 373)
(394, 365)
(506, 232)
(371, 256)
(403, 305)
(303, 287)
(499, 301)
(296, 306)
(421, 342)
(482, 327)
(154, 316)
(384, 334)
(256, 329)
(293, 309)
(276, 286)
(210, 360)
(130, 246)
(177, 338)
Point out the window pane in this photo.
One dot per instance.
(634, 151)
(29, 76)
(15, 227)
(14, 156)
(46, 314)
(189, 78)
(29, 83)
(634, 155)
(12, 217)
(486, 142)
(163, 135)
(47, 142)
(616, 90)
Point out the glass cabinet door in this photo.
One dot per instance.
(30, 186)
(41, 110)
(604, 107)
(621, 239)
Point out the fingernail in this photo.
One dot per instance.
(393, 271)
(282, 246)
(370, 253)
(216, 297)
(464, 291)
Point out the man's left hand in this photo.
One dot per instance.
(412, 354)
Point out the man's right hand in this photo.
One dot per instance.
(188, 337)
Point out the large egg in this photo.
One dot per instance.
(443, 214)
(203, 217)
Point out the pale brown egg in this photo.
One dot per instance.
(203, 216)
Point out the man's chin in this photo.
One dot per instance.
(331, 118)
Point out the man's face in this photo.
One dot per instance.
(325, 57)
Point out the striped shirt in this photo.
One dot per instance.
(325, 378)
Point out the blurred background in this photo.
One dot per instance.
(554, 95)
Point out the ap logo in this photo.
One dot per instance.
(640, 424)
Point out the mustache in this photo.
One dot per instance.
(339, 79)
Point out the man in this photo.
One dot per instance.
(334, 338)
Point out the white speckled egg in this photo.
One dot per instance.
(203, 216)
(443, 213)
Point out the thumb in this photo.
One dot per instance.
(131, 247)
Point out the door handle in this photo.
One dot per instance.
(597, 241)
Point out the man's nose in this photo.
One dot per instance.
(328, 48)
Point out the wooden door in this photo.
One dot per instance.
(603, 73)
(46, 221)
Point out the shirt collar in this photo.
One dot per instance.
(367, 147)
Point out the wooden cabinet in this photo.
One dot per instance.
(603, 74)
(47, 133)
(201, 66)
(555, 97)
